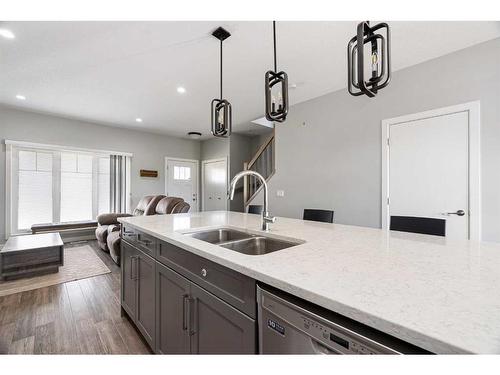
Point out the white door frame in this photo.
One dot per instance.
(203, 163)
(197, 162)
(473, 109)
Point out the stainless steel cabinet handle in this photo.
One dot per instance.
(134, 270)
(458, 213)
(195, 317)
(137, 268)
(185, 312)
(203, 272)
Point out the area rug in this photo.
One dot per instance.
(80, 262)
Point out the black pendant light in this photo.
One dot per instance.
(380, 59)
(221, 108)
(276, 86)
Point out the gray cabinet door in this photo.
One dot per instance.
(145, 315)
(172, 312)
(218, 328)
(129, 260)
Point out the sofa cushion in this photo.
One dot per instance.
(111, 218)
(113, 243)
(167, 204)
(181, 207)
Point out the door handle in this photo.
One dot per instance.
(458, 213)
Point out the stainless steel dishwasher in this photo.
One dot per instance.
(288, 325)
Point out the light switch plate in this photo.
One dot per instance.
(280, 193)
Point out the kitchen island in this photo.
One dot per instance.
(435, 293)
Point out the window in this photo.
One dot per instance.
(103, 186)
(34, 188)
(76, 187)
(52, 185)
(182, 173)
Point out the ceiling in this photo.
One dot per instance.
(114, 72)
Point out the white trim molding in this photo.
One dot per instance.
(473, 110)
(40, 146)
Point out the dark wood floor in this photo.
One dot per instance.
(79, 317)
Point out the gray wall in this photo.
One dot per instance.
(237, 150)
(334, 160)
(149, 149)
(214, 148)
(240, 148)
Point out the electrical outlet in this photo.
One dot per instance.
(280, 193)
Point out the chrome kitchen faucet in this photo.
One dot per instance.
(266, 218)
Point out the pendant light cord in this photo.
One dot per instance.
(221, 70)
(274, 36)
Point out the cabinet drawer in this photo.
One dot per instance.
(143, 241)
(232, 287)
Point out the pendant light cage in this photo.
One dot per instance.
(221, 112)
(276, 90)
(378, 39)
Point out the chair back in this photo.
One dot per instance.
(255, 209)
(324, 216)
(422, 225)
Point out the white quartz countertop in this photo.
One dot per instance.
(438, 294)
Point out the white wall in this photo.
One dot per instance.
(334, 160)
(149, 149)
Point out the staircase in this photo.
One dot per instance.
(263, 163)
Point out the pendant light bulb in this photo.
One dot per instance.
(221, 112)
(379, 59)
(276, 82)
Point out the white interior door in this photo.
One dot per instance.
(215, 185)
(182, 181)
(429, 170)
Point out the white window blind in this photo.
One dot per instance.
(76, 187)
(52, 186)
(103, 185)
(34, 188)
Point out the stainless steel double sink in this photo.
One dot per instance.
(242, 242)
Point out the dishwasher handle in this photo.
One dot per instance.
(319, 348)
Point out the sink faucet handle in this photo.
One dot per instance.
(269, 219)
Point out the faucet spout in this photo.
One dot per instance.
(266, 218)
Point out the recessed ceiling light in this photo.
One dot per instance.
(138, 119)
(181, 90)
(7, 34)
(20, 97)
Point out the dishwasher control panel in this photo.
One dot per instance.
(335, 338)
(289, 322)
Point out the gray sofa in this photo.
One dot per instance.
(108, 231)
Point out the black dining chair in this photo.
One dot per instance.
(324, 216)
(255, 209)
(422, 225)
